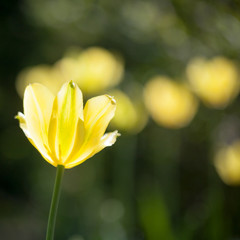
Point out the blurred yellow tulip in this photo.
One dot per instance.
(215, 81)
(94, 70)
(98, 69)
(44, 74)
(227, 163)
(170, 104)
(130, 116)
(68, 68)
(60, 129)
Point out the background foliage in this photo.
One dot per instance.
(159, 183)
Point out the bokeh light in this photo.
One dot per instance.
(98, 70)
(169, 103)
(215, 81)
(227, 163)
(131, 115)
(94, 70)
(43, 74)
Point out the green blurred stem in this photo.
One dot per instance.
(54, 203)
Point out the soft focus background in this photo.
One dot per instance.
(173, 67)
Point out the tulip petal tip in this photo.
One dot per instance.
(111, 138)
(113, 101)
(117, 133)
(17, 116)
(20, 116)
(72, 84)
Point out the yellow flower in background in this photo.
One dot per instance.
(130, 116)
(227, 163)
(68, 68)
(215, 81)
(60, 129)
(43, 74)
(169, 103)
(94, 70)
(98, 70)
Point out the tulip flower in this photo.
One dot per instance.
(98, 70)
(227, 163)
(60, 129)
(94, 70)
(63, 132)
(50, 77)
(170, 104)
(215, 81)
(130, 117)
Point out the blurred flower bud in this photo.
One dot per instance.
(43, 74)
(68, 68)
(94, 70)
(130, 115)
(215, 81)
(98, 69)
(227, 163)
(170, 104)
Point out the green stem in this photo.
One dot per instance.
(54, 203)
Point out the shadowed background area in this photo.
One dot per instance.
(173, 67)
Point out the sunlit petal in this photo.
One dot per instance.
(67, 110)
(38, 102)
(78, 141)
(107, 140)
(22, 124)
(98, 112)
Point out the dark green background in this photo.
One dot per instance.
(157, 185)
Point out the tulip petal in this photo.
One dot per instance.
(67, 110)
(107, 140)
(78, 140)
(97, 114)
(41, 148)
(38, 102)
(22, 124)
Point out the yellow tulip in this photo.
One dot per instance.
(44, 74)
(215, 81)
(227, 163)
(94, 70)
(60, 129)
(98, 69)
(170, 104)
(130, 115)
